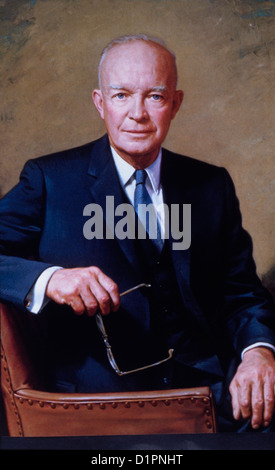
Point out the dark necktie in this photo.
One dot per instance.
(141, 201)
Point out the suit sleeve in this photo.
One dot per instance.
(21, 225)
(249, 309)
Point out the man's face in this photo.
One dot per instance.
(137, 99)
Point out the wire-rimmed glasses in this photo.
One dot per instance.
(112, 361)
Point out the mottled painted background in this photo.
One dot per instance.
(226, 57)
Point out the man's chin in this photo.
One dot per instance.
(138, 153)
(135, 148)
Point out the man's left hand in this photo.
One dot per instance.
(252, 388)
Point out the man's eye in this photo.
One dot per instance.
(156, 97)
(120, 96)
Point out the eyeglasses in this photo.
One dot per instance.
(112, 361)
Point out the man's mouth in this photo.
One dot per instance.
(138, 132)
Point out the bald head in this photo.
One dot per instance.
(156, 43)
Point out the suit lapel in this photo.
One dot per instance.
(174, 193)
(105, 182)
(177, 190)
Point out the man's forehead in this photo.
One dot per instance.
(136, 59)
(130, 58)
(115, 86)
(127, 86)
(136, 50)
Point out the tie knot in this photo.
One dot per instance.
(141, 176)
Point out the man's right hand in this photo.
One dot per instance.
(86, 290)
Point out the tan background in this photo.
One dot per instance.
(226, 58)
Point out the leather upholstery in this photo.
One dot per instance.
(31, 411)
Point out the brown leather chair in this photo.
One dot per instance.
(31, 411)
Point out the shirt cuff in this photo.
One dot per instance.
(258, 345)
(36, 298)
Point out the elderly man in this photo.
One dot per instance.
(200, 315)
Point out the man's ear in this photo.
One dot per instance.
(178, 98)
(98, 102)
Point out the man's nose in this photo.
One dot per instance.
(138, 111)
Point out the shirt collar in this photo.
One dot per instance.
(126, 171)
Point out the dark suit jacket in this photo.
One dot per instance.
(42, 225)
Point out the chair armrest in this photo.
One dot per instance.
(174, 411)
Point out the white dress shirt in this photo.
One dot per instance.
(126, 174)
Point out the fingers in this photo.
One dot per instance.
(241, 402)
(76, 304)
(248, 402)
(89, 302)
(252, 388)
(113, 292)
(86, 290)
(98, 292)
(235, 402)
(96, 297)
(262, 404)
(269, 402)
(257, 406)
(254, 401)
